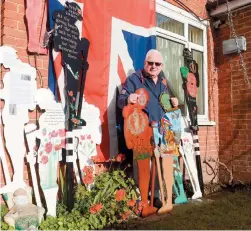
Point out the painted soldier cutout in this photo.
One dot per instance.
(138, 135)
(167, 137)
(67, 39)
(186, 150)
(18, 94)
(51, 134)
(190, 78)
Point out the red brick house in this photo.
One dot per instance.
(224, 110)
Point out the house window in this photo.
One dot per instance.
(176, 30)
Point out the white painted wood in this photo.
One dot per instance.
(88, 136)
(30, 133)
(15, 111)
(187, 153)
(52, 138)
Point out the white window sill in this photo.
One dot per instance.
(203, 122)
(206, 123)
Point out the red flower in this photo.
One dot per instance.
(96, 208)
(120, 157)
(82, 137)
(48, 147)
(93, 210)
(99, 207)
(75, 121)
(61, 132)
(120, 194)
(53, 134)
(125, 215)
(63, 143)
(70, 93)
(88, 170)
(96, 159)
(57, 147)
(131, 203)
(44, 159)
(88, 179)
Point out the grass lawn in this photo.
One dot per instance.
(226, 211)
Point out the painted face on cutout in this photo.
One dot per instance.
(191, 85)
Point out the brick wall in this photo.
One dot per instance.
(235, 99)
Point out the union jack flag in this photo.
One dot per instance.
(120, 34)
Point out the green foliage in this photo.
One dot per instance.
(99, 207)
(3, 225)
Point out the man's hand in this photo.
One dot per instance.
(132, 98)
(174, 102)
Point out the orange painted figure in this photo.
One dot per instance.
(138, 136)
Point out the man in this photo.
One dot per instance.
(149, 78)
(153, 81)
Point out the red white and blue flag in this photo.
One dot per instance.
(120, 34)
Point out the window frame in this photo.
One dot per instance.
(187, 19)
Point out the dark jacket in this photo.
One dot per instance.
(139, 80)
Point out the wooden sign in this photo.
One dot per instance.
(67, 40)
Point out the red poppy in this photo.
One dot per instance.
(96, 159)
(88, 170)
(99, 207)
(61, 132)
(57, 147)
(48, 147)
(120, 157)
(96, 208)
(44, 159)
(63, 143)
(125, 215)
(93, 210)
(88, 179)
(82, 137)
(120, 194)
(131, 203)
(54, 133)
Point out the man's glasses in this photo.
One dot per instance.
(151, 63)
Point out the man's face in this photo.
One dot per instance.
(153, 64)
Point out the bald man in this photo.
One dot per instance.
(152, 79)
